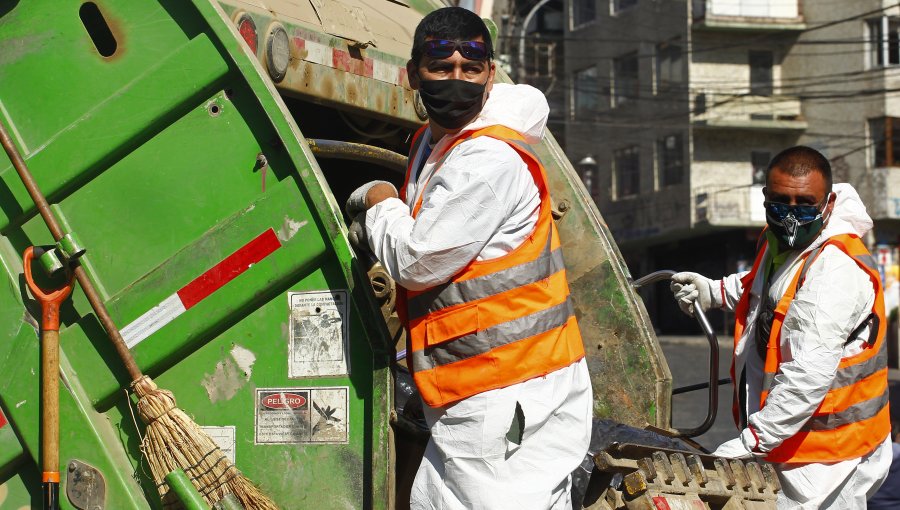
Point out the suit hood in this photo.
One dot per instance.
(849, 216)
(522, 108)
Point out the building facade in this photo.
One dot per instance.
(676, 107)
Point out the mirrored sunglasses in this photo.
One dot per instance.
(802, 213)
(443, 48)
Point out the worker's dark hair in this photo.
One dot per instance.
(800, 160)
(453, 23)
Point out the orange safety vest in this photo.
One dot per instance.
(853, 418)
(497, 322)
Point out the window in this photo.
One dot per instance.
(670, 160)
(628, 172)
(761, 73)
(884, 41)
(544, 57)
(587, 93)
(583, 11)
(884, 134)
(625, 79)
(621, 5)
(760, 162)
(668, 66)
(700, 103)
(550, 19)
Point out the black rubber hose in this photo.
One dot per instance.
(337, 149)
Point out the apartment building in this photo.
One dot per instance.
(675, 108)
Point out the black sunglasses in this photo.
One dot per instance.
(443, 48)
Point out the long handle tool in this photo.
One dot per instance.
(50, 302)
(172, 439)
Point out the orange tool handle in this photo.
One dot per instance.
(50, 300)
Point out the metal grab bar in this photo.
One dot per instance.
(714, 382)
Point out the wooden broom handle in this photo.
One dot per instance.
(87, 286)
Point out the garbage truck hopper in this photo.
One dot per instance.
(199, 150)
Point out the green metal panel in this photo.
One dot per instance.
(150, 156)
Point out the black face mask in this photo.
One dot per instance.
(451, 104)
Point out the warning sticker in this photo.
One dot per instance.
(319, 334)
(301, 415)
(224, 439)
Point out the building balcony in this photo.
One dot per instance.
(729, 206)
(748, 15)
(763, 113)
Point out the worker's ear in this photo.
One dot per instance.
(491, 74)
(412, 74)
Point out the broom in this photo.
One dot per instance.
(172, 440)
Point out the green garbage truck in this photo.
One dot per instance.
(195, 153)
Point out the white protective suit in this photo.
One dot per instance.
(835, 298)
(481, 205)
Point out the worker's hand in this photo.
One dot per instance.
(690, 288)
(743, 447)
(362, 199)
(380, 192)
(357, 235)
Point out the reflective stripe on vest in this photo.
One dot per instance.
(853, 418)
(499, 321)
(548, 263)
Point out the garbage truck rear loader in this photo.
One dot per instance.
(199, 150)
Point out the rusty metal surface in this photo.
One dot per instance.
(385, 24)
(85, 486)
(348, 54)
(653, 476)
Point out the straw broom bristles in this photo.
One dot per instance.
(172, 441)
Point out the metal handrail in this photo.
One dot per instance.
(714, 382)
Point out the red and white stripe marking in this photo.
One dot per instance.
(678, 503)
(200, 288)
(2, 420)
(325, 55)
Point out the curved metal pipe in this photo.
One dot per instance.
(337, 149)
(713, 384)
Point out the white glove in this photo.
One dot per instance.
(740, 447)
(690, 288)
(357, 201)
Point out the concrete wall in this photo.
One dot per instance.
(720, 60)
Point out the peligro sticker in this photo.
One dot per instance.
(319, 334)
(302, 415)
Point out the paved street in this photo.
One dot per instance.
(688, 361)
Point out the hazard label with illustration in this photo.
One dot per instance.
(224, 437)
(302, 415)
(319, 334)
